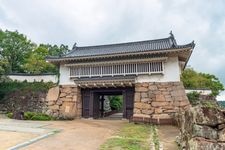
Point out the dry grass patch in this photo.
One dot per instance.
(130, 137)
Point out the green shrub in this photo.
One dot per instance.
(28, 115)
(10, 115)
(36, 116)
(116, 102)
(33, 116)
(42, 117)
(209, 104)
(193, 97)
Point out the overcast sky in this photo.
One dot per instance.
(91, 22)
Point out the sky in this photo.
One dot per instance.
(93, 22)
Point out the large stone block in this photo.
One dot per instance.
(68, 110)
(205, 116)
(147, 111)
(62, 94)
(144, 94)
(158, 110)
(53, 94)
(66, 90)
(141, 89)
(161, 116)
(181, 103)
(152, 88)
(137, 111)
(221, 135)
(137, 97)
(204, 131)
(54, 107)
(199, 143)
(138, 105)
(160, 98)
(145, 100)
(141, 116)
(159, 104)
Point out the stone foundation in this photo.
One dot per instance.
(202, 128)
(158, 102)
(64, 102)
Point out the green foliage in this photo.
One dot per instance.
(193, 98)
(20, 55)
(3, 65)
(193, 80)
(116, 102)
(130, 137)
(9, 115)
(33, 116)
(36, 116)
(155, 137)
(36, 64)
(15, 48)
(10, 86)
(209, 104)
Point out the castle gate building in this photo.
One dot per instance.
(146, 74)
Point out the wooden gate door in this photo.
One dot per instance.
(128, 102)
(91, 101)
(86, 102)
(96, 113)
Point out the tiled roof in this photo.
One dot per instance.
(130, 47)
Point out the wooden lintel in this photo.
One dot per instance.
(122, 84)
(113, 85)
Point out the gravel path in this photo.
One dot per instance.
(167, 137)
(80, 134)
(77, 135)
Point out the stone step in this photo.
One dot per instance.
(116, 116)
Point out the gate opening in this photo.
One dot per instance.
(111, 106)
(108, 103)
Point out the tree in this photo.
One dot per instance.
(15, 49)
(54, 50)
(3, 66)
(192, 80)
(36, 64)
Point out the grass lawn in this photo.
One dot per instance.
(131, 137)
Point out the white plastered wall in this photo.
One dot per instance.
(37, 78)
(64, 78)
(171, 73)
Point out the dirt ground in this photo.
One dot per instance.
(167, 136)
(78, 135)
(9, 139)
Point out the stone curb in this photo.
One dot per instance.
(18, 146)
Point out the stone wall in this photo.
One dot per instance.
(202, 128)
(24, 100)
(64, 102)
(61, 102)
(157, 102)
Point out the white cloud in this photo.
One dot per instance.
(221, 97)
(107, 21)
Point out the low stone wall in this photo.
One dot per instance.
(61, 102)
(202, 128)
(64, 102)
(157, 102)
(24, 100)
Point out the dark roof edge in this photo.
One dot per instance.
(57, 58)
(124, 43)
